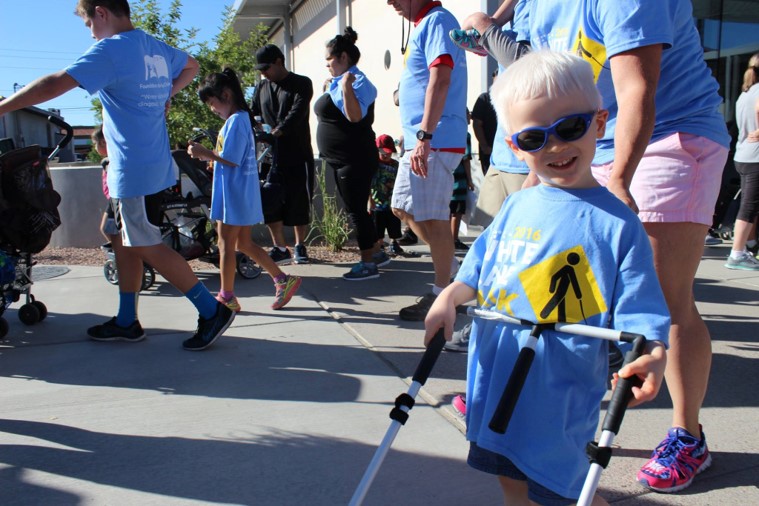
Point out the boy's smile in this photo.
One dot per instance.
(561, 163)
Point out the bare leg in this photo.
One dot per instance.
(129, 265)
(301, 232)
(257, 253)
(514, 491)
(277, 231)
(677, 252)
(169, 264)
(228, 237)
(741, 234)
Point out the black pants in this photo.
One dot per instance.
(749, 173)
(353, 184)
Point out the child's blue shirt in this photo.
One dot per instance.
(581, 254)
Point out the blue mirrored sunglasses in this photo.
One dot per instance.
(569, 128)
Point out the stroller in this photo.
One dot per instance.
(186, 226)
(28, 217)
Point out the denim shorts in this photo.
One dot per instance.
(494, 463)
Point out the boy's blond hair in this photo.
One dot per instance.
(543, 73)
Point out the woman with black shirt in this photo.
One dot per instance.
(346, 141)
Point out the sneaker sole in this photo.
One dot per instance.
(386, 262)
(741, 268)
(373, 276)
(217, 336)
(703, 467)
(454, 348)
(118, 338)
(286, 261)
(289, 297)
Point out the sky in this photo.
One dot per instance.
(38, 37)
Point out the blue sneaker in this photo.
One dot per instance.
(468, 40)
(362, 271)
(381, 258)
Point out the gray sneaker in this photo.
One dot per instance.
(460, 341)
(746, 262)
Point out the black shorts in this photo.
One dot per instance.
(293, 207)
(458, 207)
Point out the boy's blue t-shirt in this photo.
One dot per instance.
(132, 74)
(365, 91)
(555, 255)
(428, 42)
(236, 194)
(687, 98)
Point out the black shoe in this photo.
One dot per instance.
(210, 330)
(460, 246)
(280, 257)
(395, 249)
(109, 331)
(417, 312)
(408, 238)
(301, 255)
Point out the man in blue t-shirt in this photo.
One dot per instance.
(432, 97)
(134, 76)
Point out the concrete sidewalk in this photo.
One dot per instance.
(289, 406)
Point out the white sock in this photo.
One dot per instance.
(436, 290)
(736, 254)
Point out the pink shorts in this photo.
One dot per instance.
(677, 180)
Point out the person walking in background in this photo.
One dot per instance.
(484, 124)
(236, 193)
(108, 222)
(462, 184)
(432, 96)
(382, 193)
(283, 101)
(118, 68)
(346, 141)
(548, 246)
(746, 159)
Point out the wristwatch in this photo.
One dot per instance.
(423, 136)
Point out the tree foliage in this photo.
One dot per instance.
(226, 49)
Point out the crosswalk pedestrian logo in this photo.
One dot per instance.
(563, 288)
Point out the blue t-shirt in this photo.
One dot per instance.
(236, 194)
(503, 158)
(132, 74)
(555, 255)
(687, 98)
(365, 91)
(428, 42)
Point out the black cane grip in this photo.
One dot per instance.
(429, 358)
(508, 401)
(623, 392)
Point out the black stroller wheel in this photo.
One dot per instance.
(148, 277)
(29, 314)
(3, 328)
(247, 268)
(110, 272)
(42, 308)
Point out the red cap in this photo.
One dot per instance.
(386, 143)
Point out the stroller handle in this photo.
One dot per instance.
(68, 135)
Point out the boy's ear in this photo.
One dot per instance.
(517, 152)
(602, 117)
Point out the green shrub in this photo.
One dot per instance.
(331, 228)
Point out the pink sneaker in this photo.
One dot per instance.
(459, 404)
(285, 291)
(675, 462)
(230, 303)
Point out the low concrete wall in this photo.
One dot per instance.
(82, 205)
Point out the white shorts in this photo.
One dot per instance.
(426, 198)
(139, 218)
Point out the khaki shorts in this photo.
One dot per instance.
(496, 186)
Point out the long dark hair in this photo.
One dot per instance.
(345, 43)
(215, 84)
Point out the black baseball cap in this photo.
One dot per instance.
(267, 55)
